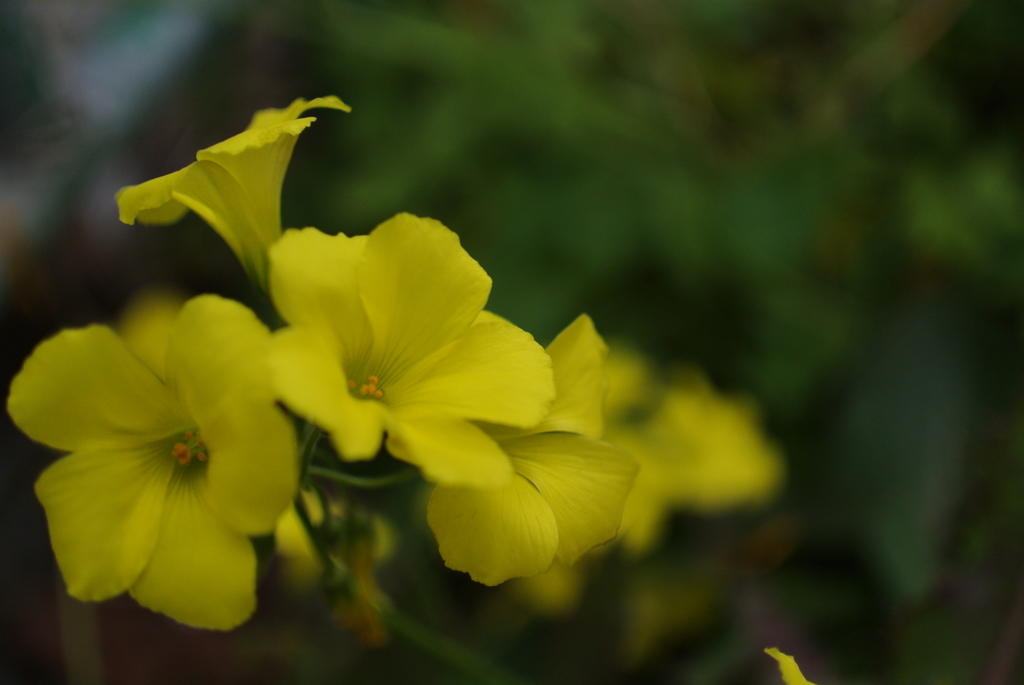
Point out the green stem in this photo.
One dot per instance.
(310, 438)
(458, 657)
(362, 481)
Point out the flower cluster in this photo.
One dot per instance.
(699, 451)
(180, 451)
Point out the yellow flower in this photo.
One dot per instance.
(698, 451)
(569, 488)
(165, 480)
(234, 185)
(787, 667)
(384, 336)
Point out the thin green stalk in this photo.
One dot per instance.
(458, 657)
(310, 438)
(362, 481)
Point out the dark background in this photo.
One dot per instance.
(820, 203)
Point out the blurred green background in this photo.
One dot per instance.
(819, 202)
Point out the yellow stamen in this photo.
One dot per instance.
(369, 388)
(189, 446)
(181, 453)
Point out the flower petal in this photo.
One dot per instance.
(216, 346)
(202, 573)
(494, 534)
(577, 357)
(448, 450)
(83, 389)
(585, 482)
(494, 373)
(103, 509)
(313, 283)
(301, 564)
(145, 326)
(420, 288)
(718, 457)
(152, 202)
(253, 469)
(791, 674)
(306, 371)
(247, 224)
(271, 116)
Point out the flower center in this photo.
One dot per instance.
(189, 447)
(367, 389)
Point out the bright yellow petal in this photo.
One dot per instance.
(248, 219)
(313, 283)
(577, 356)
(216, 346)
(253, 467)
(266, 118)
(306, 371)
(494, 534)
(585, 482)
(496, 372)
(103, 510)
(420, 288)
(83, 389)
(449, 451)
(145, 325)
(152, 202)
(787, 667)
(202, 573)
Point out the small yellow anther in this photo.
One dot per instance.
(369, 388)
(188, 436)
(201, 456)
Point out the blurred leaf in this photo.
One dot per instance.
(901, 443)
